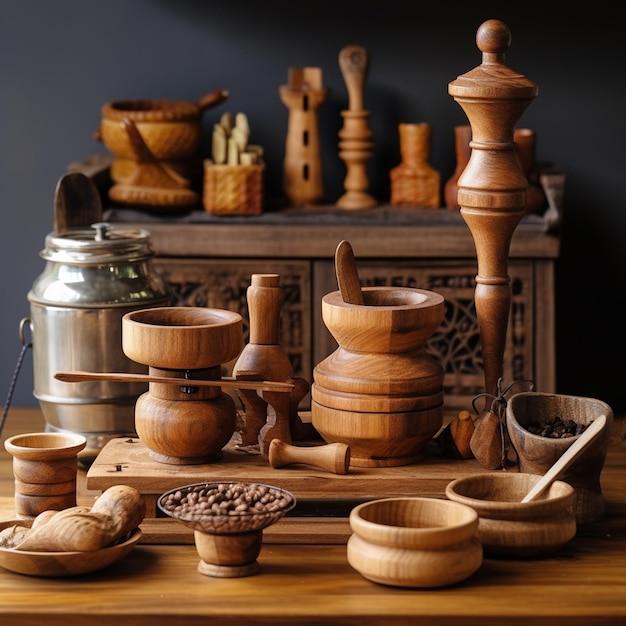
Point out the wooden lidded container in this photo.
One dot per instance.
(380, 392)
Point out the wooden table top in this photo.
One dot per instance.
(312, 583)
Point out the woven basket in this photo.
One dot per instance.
(233, 189)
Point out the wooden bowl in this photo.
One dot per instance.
(59, 564)
(509, 528)
(228, 521)
(171, 129)
(394, 319)
(537, 453)
(182, 338)
(414, 542)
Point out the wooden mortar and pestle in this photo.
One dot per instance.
(379, 393)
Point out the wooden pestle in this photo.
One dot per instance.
(492, 197)
(330, 457)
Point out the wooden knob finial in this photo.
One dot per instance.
(493, 37)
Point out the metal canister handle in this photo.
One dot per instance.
(25, 321)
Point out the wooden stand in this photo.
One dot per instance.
(492, 197)
(355, 145)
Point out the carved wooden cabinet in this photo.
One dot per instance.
(209, 260)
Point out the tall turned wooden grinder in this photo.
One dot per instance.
(492, 199)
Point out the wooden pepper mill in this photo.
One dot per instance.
(268, 414)
(355, 138)
(492, 199)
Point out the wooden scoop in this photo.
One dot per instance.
(570, 455)
(77, 203)
(347, 274)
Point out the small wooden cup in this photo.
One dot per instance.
(414, 542)
(44, 466)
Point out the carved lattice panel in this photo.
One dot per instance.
(222, 284)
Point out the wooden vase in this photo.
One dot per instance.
(462, 150)
(415, 182)
(380, 392)
(525, 148)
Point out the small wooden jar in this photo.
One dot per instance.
(233, 189)
(44, 467)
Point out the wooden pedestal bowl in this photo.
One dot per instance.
(537, 453)
(182, 338)
(184, 424)
(512, 529)
(380, 392)
(228, 521)
(414, 542)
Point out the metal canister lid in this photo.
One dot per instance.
(101, 244)
(101, 266)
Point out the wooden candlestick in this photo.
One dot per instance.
(492, 197)
(355, 145)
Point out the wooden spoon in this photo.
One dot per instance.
(570, 455)
(347, 274)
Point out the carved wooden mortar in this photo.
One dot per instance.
(380, 392)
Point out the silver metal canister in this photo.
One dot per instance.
(92, 278)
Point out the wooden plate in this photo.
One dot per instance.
(57, 564)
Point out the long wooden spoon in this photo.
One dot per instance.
(347, 274)
(259, 385)
(570, 455)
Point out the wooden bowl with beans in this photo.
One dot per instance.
(228, 521)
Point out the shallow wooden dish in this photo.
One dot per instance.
(509, 528)
(414, 542)
(59, 564)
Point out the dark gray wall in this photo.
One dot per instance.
(61, 60)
